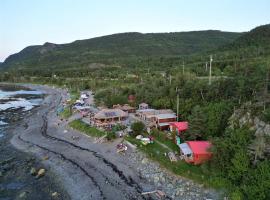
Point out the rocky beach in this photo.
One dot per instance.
(17, 177)
(81, 169)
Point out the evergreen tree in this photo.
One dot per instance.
(197, 122)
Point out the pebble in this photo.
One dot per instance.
(55, 194)
(33, 171)
(22, 195)
(45, 158)
(41, 173)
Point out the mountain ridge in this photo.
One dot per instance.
(131, 44)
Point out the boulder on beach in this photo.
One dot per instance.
(41, 173)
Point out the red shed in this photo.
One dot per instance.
(196, 152)
(178, 126)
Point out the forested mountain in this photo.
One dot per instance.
(124, 45)
(259, 36)
(255, 43)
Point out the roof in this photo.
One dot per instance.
(110, 113)
(185, 148)
(199, 147)
(181, 126)
(146, 110)
(123, 107)
(165, 111)
(166, 116)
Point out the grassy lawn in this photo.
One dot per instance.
(161, 137)
(85, 128)
(74, 95)
(199, 174)
(65, 113)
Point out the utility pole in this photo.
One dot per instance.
(170, 79)
(183, 67)
(210, 70)
(177, 103)
(206, 66)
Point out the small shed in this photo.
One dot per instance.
(196, 152)
(178, 126)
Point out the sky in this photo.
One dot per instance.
(34, 22)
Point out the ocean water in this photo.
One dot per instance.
(14, 104)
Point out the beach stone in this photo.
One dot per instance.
(45, 158)
(55, 194)
(144, 161)
(22, 195)
(33, 171)
(41, 173)
(156, 179)
(162, 179)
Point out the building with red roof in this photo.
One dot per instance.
(196, 152)
(178, 126)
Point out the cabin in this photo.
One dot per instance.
(145, 114)
(110, 116)
(195, 152)
(143, 106)
(163, 120)
(178, 127)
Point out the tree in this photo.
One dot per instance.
(137, 128)
(257, 182)
(197, 122)
(239, 166)
(217, 117)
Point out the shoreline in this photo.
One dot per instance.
(17, 182)
(78, 177)
(93, 171)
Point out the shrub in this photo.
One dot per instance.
(111, 135)
(137, 128)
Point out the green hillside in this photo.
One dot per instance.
(118, 46)
(259, 36)
(253, 43)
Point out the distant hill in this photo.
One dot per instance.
(118, 46)
(257, 37)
